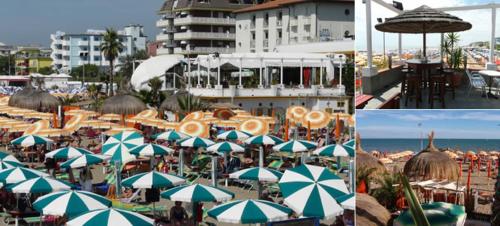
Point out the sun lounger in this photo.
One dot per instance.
(276, 164)
(33, 220)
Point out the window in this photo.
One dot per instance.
(97, 58)
(347, 12)
(96, 48)
(85, 38)
(97, 38)
(253, 35)
(266, 35)
(340, 104)
(280, 15)
(280, 34)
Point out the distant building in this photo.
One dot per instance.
(198, 26)
(73, 50)
(153, 48)
(5, 50)
(31, 59)
(283, 25)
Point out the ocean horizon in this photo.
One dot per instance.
(413, 144)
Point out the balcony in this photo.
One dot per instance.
(306, 20)
(294, 22)
(252, 43)
(279, 23)
(168, 15)
(83, 43)
(204, 21)
(252, 25)
(164, 51)
(313, 91)
(164, 37)
(168, 44)
(266, 43)
(163, 23)
(266, 24)
(204, 35)
(169, 29)
(204, 50)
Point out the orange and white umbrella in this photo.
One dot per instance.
(318, 119)
(19, 128)
(296, 113)
(37, 127)
(110, 117)
(11, 124)
(153, 122)
(20, 112)
(146, 114)
(228, 123)
(268, 119)
(197, 115)
(194, 128)
(98, 124)
(254, 127)
(241, 112)
(39, 115)
(4, 100)
(54, 132)
(168, 125)
(81, 112)
(210, 120)
(223, 114)
(241, 117)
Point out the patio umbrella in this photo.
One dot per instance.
(264, 140)
(350, 143)
(70, 203)
(423, 20)
(335, 150)
(317, 119)
(233, 135)
(438, 213)
(150, 150)
(197, 193)
(197, 115)
(249, 212)
(431, 163)
(123, 104)
(347, 201)
(195, 142)
(153, 179)
(6, 164)
(194, 128)
(111, 217)
(67, 153)
(296, 113)
(369, 211)
(118, 146)
(170, 136)
(223, 114)
(257, 174)
(255, 127)
(311, 191)
(18, 174)
(225, 147)
(39, 185)
(30, 140)
(294, 146)
(8, 157)
(84, 161)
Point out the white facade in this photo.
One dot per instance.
(73, 50)
(266, 29)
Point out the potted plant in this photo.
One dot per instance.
(454, 56)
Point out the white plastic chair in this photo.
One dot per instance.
(477, 82)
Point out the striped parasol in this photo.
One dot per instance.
(338, 150)
(170, 136)
(67, 153)
(234, 135)
(111, 217)
(70, 203)
(197, 115)
(151, 150)
(197, 193)
(350, 143)
(254, 127)
(311, 191)
(195, 142)
(294, 146)
(225, 147)
(39, 185)
(347, 201)
(223, 114)
(257, 174)
(264, 140)
(30, 140)
(317, 119)
(6, 164)
(249, 212)
(119, 145)
(296, 113)
(153, 179)
(194, 128)
(18, 174)
(84, 161)
(438, 213)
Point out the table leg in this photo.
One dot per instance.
(490, 94)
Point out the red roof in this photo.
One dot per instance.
(280, 3)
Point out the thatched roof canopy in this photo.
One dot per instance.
(369, 212)
(19, 96)
(37, 100)
(171, 103)
(366, 160)
(431, 163)
(123, 104)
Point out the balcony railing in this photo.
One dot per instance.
(306, 20)
(266, 43)
(164, 37)
(279, 23)
(204, 20)
(266, 24)
(313, 91)
(163, 51)
(252, 43)
(204, 50)
(294, 22)
(252, 25)
(163, 23)
(204, 35)
(83, 42)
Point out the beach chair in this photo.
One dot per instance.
(134, 196)
(33, 220)
(276, 164)
(477, 82)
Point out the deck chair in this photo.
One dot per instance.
(276, 164)
(133, 197)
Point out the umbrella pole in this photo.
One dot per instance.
(351, 175)
(214, 169)
(17, 207)
(195, 222)
(118, 178)
(180, 170)
(425, 44)
(261, 156)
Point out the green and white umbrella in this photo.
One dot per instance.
(257, 174)
(338, 150)
(170, 136)
(197, 193)
(234, 135)
(18, 174)
(225, 147)
(6, 164)
(264, 140)
(438, 213)
(249, 212)
(293, 146)
(196, 142)
(347, 201)
(311, 191)
(84, 161)
(70, 203)
(119, 145)
(30, 140)
(39, 185)
(111, 217)
(153, 179)
(151, 150)
(350, 143)
(8, 157)
(67, 153)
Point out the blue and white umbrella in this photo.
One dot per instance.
(249, 212)
(170, 136)
(197, 193)
(257, 174)
(347, 201)
(119, 145)
(234, 135)
(84, 161)
(294, 146)
(6, 164)
(264, 140)
(151, 150)
(8, 157)
(67, 153)
(153, 179)
(350, 143)
(30, 140)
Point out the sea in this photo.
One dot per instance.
(396, 145)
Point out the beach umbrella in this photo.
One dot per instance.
(84, 161)
(350, 143)
(151, 150)
(30, 140)
(347, 201)
(153, 179)
(338, 150)
(263, 140)
(8, 157)
(119, 145)
(249, 212)
(197, 115)
(257, 174)
(39, 185)
(370, 212)
(223, 114)
(316, 119)
(296, 113)
(123, 104)
(293, 146)
(255, 126)
(170, 136)
(194, 128)
(311, 191)
(195, 142)
(67, 153)
(225, 147)
(6, 164)
(18, 174)
(197, 193)
(233, 135)
(438, 213)
(70, 203)
(111, 217)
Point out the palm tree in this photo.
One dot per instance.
(363, 179)
(190, 103)
(93, 91)
(111, 48)
(387, 193)
(155, 84)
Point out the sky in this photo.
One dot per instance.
(458, 124)
(480, 20)
(32, 21)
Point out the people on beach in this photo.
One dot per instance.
(178, 215)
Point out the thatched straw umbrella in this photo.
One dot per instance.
(123, 104)
(366, 160)
(369, 212)
(171, 103)
(431, 163)
(37, 100)
(19, 96)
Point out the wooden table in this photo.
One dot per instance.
(492, 74)
(424, 65)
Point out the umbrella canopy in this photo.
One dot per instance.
(225, 147)
(197, 193)
(153, 179)
(195, 142)
(8, 157)
(350, 143)
(170, 136)
(365, 160)
(151, 150)
(257, 174)
(111, 217)
(67, 153)
(255, 126)
(312, 191)
(335, 150)
(18, 174)
(264, 140)
(249, 212)
(119, 145)
(84, 161)
(234, 135)
(70, 203)
(194, 128)
(123, 104)
(438, 213)
(293, 146)
(197, 115)
(38, 100)
(296, 113)
(431, 163)
(223, 114)
(39, 185)
(347, 201)
(6, 164)
(317, 119)
(369, 212)
(30, 140)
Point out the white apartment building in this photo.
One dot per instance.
(192, 27)
(269, 26)
(73, 50)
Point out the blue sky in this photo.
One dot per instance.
(470, 124)
(480, 20)
(32, 21)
